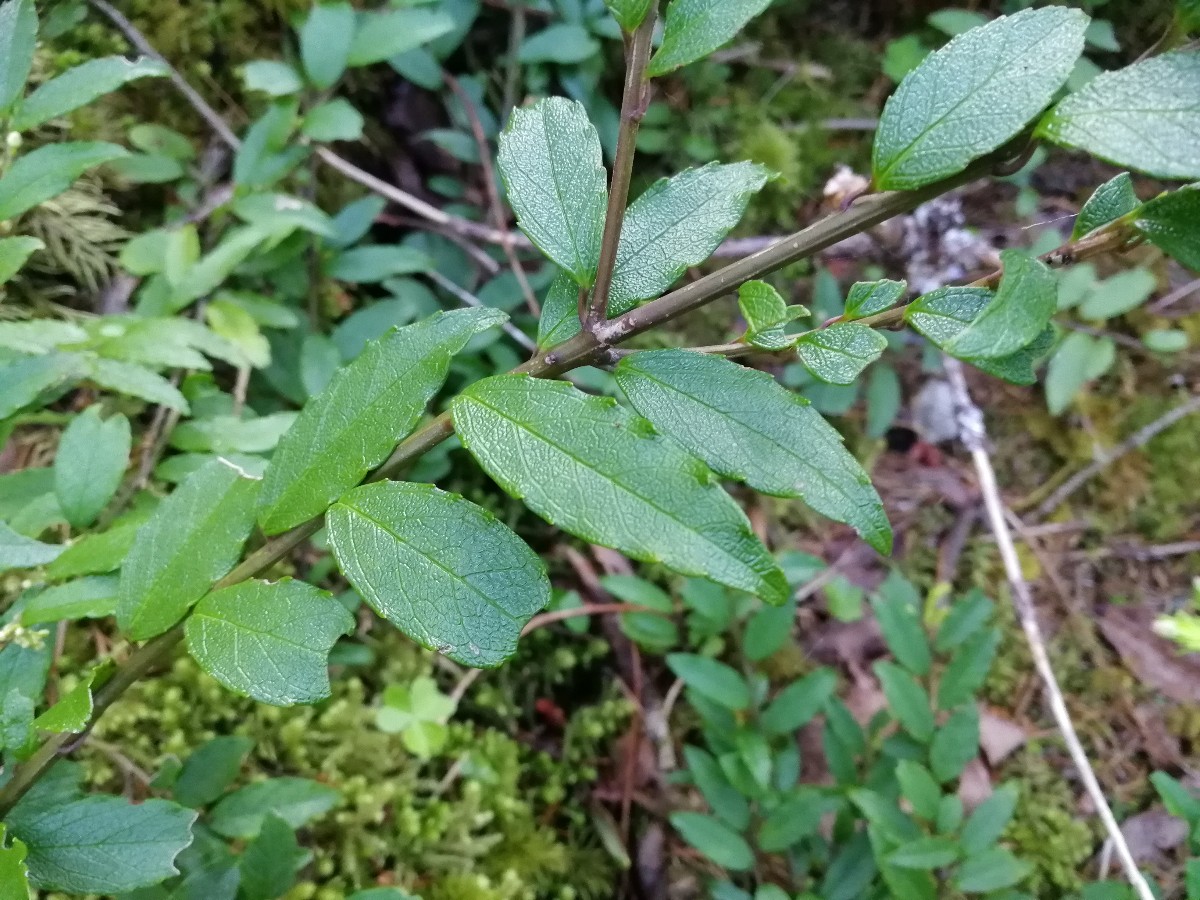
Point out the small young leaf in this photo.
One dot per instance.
(695, 28)
(401, 544)
(295, 800)
(968, 669)
(325, 42)
(989, 871)
(766, 313)
(18, 38)
(955, 744)
(602, 474)
(83, 598)
(924, 854)
(14, 253)
(943, 314)
(1121, 293)
(136, 381)
(193, 538)
(968, 98)
(907, 700)
(629, 13)
(91, 461)
(335, 120)
(902, 630)
(838, 354)
(985, 825)
(368, 407)
(563, 43)
(1072, 366)
(375, 263)
(798, 817)
(1110, 201)
(919, 788)
(388, 33)
(885, 815)
(553, 168)
(1024, 303)
(715, 680)
(744, 425)
(80, 86)
(210, 770)
(726, 801)
(965, 619)
(14, 876)
(73, 710)
(1172, 223)
(102, 845)
(714, 839)
(20, 552)
(560, 312)
(269, 641)
(46, 172)
(798, 703)
(868, 298)
(1144, 117)
(269, 864)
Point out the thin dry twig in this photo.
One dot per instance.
(1135, 441)
(974, 437)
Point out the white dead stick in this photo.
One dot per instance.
(974, 436)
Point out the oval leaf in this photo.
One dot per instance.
(91, 460)
(838, 354)
(46, 172)
(440, 568)
(1110, 201)
(80, 86)
(325, 42)
(1172, 223)
(1025, 301)
(714, 839)
(695, 28)
(597, 471)
(18, 37)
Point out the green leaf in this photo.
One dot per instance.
(400, 544)
(18, 38)
(136, 381)
(955, 744)
(1023, 306)
(282, 212)
(726, 801)
(965, 619)
(269, 641)
(1170, 223)
(1121, 293)
(16, 725)
(990, 871)
(295, 800)
(14, 253)
(210, 770)
(602, 474)
(766, 313)
(985, 825)
(838, 354)
(368, 265)
(797, 817)
(974, 94)
(335, 120)
(678, 223)
(924, 854)
(46, 172)
(798, 703)
(194, 537)
(84, 598)
(907, 700)
(629, 13)
(868, 298)
(20, 552)
(943, 314)
(563, 43)
(745, 426)
(382, 35)
(1144, 117)
(270, 862)
(1166, 340)
(1019, 368)
(714, 839)
(272, 77)
(80, 86)
(1178, 800)
(102, 845)
(695, 28)
(14, 879)
(1110, 201)
(24, 381)
(368, 407)
(1070, 365)
(560, 312)
(553, 170)
(325, 42)
(968, 669)
(91, 461)
(919, 788)
(884, 814)
(73, 710)
(711, 678)
(902, 630)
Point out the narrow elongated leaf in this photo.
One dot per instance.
(838, 354)
(798, 817)
(553, 168)
(403, 544)
(80, 86)
(629, 13)
(968, 669)
(325, 42)
(564, 43)
(14, 252)
(136, 381)
(210, 770)
(46, 172)
(902, 631)
(20, 552)
(990, 871)
(23, 381)
(1021, 310)
(1144, 117)
(955, 744)
(91, 460)
(866, 298)
(368, 265)
(919, 788)
(907, 700)
(744, 425)
(695, 28)
(560, 312)
(382, 35)
(971, 96)
(1172, 223)
(193, 538)
(726, 802)
(18, 38)
(84, 598)
(269, 641)
(597, 471)
(987, 823)
(102, 845)
(368, 407)
(14, 876)
(799, 702)
(1110, 201)
(295, 800)
(714, 839)
(268, 867)
(711, 678)
(73, 710)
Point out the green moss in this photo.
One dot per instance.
(1165, 511)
